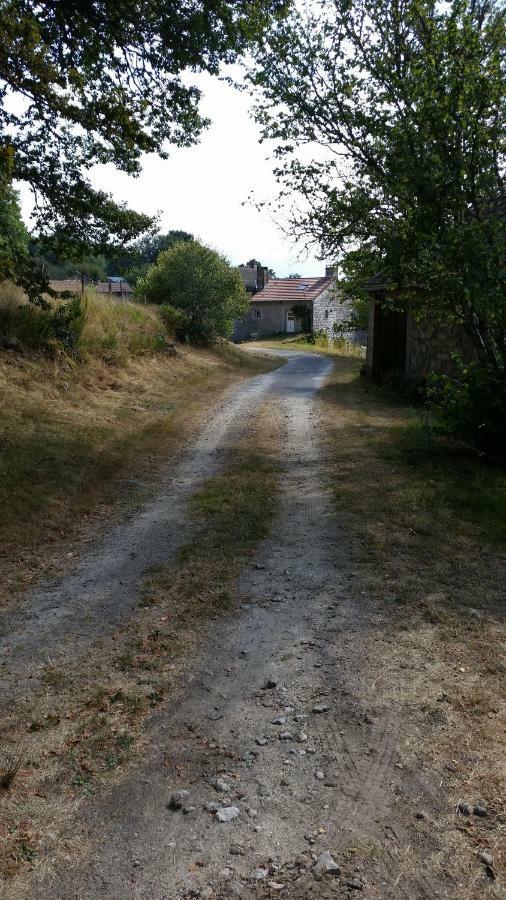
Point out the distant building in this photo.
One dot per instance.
(254, 277)
(292, 305)
(114, 286)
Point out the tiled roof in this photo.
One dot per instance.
(292, 289)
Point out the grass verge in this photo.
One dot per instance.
(84, 725)
(427, 526)
(73, 435)
(303, 343)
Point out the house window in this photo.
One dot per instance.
(326, 313)
(258, 314)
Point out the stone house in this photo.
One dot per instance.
(292, 305)
(403, 345)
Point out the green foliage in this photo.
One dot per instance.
(411, 97)
(99, 83)
(176, 321)
(134, 263)
(472, 405)
(200, 283)
(32, 328)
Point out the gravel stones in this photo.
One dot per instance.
(321, 708)
(178, 799)
(355, 884)
(269, 684)
(326, 864)
(259, 874)
(221, 786)
(286, 736)
(227, 813)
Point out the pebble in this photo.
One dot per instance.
(321, 708)
(301, 737)
(212, 806)
(236, 850)
(257, 829)
(269, 685)
(227, 813)
(261, 741)
(188, 810)
(222, 786)
(326, 864)
(280, 720)
(480, 811)
(319, 775)
(300, 717)
(355, 884)
(275, 885)
(259, 874)
(178, 799)
(487, 859)
(286, 736)
(464, 808)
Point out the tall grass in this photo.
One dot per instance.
(117, 330)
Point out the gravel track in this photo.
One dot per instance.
(329, 785)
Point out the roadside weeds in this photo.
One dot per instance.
(428, 531)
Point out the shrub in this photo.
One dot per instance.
(472, 405)
(199, 283)
(33, 328)
(176, 321)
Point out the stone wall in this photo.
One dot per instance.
(430, 347)
(330, 310)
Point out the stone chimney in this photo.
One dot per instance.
(262, 277)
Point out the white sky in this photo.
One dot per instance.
(202, 189)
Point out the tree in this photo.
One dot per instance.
(134, 264)
(13, 234)
(407, 98)
(199, 283)
(101, 82)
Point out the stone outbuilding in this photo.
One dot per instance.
(404, 345)
(292, 305)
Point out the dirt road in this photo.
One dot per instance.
(274, 727)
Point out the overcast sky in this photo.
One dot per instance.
(202, 189)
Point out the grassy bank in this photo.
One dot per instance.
(305, 344)
(80, 730)
(75, 431)
(427, 522)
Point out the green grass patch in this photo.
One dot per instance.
(306, 343)
(234, 512)
(451, 482)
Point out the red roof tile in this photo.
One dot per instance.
(292, 289)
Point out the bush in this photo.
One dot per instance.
(199, 283)
(472, 405)
(33, 328)
(176, 321)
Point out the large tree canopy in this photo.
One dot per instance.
(402, 104)
(99, 81)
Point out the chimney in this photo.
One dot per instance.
(262, 277)
(331, 271)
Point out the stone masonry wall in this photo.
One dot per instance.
(330, 310)
(430, 347)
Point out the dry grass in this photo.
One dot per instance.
(430, 567)
(116, 330)
(86, 723)
(71, 433)
(301, 343)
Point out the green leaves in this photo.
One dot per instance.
(195, 281)
(403, 107)
(100, 82)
